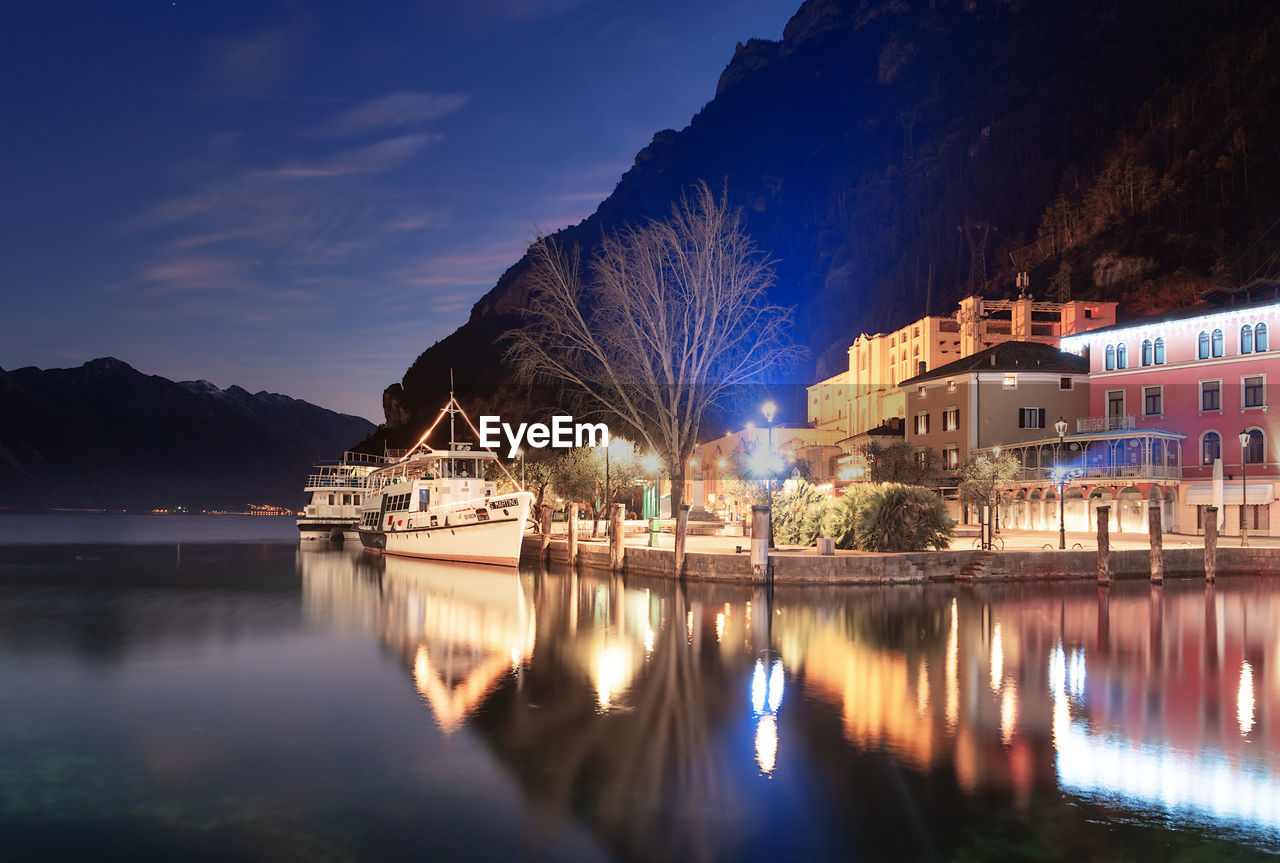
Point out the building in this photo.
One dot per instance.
(714, 461)
(1005, 394)
(867, 393)
(1207, 373)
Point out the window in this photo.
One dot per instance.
(357, 500)
(1211, 395)
(1210, 447)
(1159, 352)
(951, 457)
(1111, 357)
(1254, 394)
(1218, 342)
(1260, 338)
(951, 386)
(921, 392)
(1255, 449)
(1152, 401)
(951, 419)
(1066, 384)
(1202, 348)
(333, 499)
(922, 423)
(1246, 339)
(1011, 382)
(1148, 352)
(922, 458)
(1031, 418)
(1122, 357)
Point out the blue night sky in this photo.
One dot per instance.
(302, 197)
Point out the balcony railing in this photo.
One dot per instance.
(1093, 425)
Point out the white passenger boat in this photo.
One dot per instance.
(337, 490)
(445, 504)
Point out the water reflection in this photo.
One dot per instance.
(654, 712)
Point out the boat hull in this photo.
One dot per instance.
(327, 529)
(495, 540)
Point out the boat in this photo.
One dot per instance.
(337, 490)
(445, 504)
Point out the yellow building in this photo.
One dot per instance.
(867, 393)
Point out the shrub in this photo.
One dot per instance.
(798, 512)
(889, 517)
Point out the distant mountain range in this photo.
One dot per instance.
(1122, 151)
(104, 435)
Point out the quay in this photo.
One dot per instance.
(1024, 558)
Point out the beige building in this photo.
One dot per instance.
(1010, 393)
(867, 393)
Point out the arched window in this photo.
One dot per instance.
(1159, 352)
(1218, 343)
(1210, 447)
(1122, 356)
(1148, 352)
(1203, 351)
(1255, 450)
(1246, 339)
(1111, 357)
(1260, 338)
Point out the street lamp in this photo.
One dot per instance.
(1061, 427)
(769, 409)
(1244, 487)
(995, 476)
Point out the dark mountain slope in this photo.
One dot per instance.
(859, 144)
(106, 436)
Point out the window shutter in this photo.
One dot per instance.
(1041, 419)
(1021, 420)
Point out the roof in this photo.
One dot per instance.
(1255, 294)
(1009, 357)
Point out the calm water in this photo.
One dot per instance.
(252, 700)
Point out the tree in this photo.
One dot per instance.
(579, 474)
(889, 517)
(983, 479)
(899, 462)
(669, 317)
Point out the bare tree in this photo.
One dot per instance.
(670, 316)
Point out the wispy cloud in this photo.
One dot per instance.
(373, 159)
(401, 109)
(259, 59)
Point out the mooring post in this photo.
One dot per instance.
(761, 573)
(1210, 543)
(545, 556)
(682, 525)
(1157, 542)
(617, 520)
(573, 534)
(1104, 545)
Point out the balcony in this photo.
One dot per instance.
(1094, 425)
(1147, 456)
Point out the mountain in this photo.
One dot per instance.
(894, 156)
(104, 435)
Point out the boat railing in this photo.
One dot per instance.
(340, 481)
(350, 457)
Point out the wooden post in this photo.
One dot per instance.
(1154, 528)
(1104, 544)
(545, 555)
(1210, 543)
(682, 525)
(573, 534)
(761, 573)
(617, 521)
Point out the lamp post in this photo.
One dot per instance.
(995, 476)
(1061, 428)
(769, 409)
(1244, 487)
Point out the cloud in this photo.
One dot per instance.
(373, 159)
(194, 272)
(264, 58)
(395, 110)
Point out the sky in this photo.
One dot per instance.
(300, 197)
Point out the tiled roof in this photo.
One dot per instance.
(1008, 357)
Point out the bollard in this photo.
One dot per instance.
(761, 572)
(826, 545)
(682, 525)
(1157, 543)
(1210, 543)
(573, 534)
(617, 537)
(655, 527)
(1104, 545)
(545, 554)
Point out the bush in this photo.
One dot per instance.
(798, 512)
(889, 517)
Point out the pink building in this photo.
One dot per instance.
(1205, 374)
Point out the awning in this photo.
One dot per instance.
(1202, 493)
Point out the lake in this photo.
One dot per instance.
(215, 693)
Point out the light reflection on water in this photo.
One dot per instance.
(408, 708)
